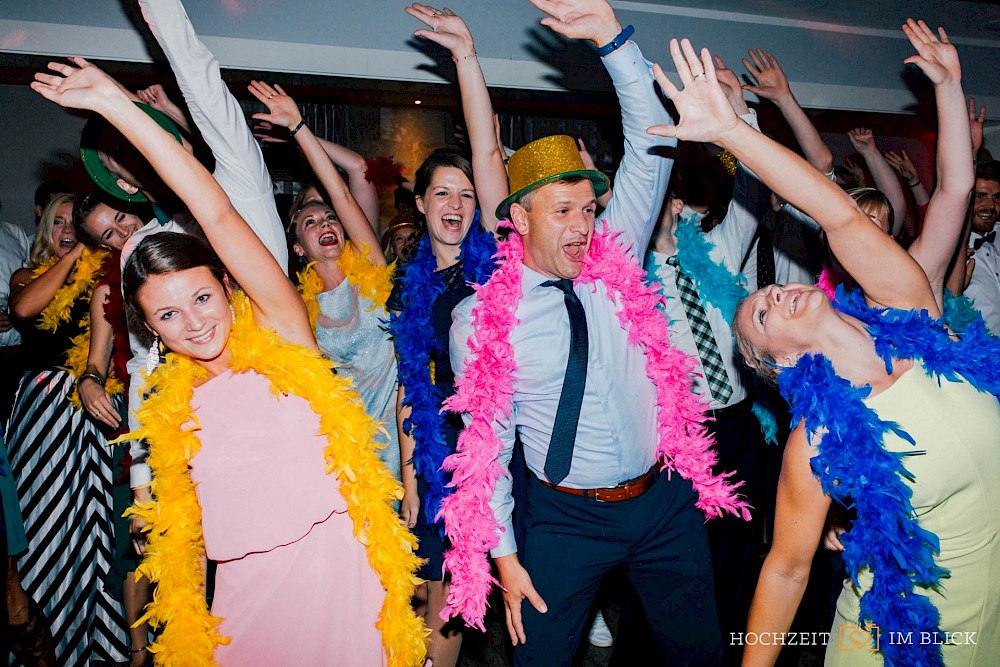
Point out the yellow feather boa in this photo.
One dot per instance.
(86, 273)
(372, 280)
(175, 541)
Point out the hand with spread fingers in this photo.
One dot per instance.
(581, 19)
(936, 56)
(901, 162)
(446, 28)
(731, 86)
(282, 110)
(79, 86)
(705, 112)
(772, 84)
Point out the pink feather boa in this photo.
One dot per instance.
(825, 283)
(486, 392)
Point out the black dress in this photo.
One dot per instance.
(431, 542)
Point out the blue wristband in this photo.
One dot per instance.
(617, 42)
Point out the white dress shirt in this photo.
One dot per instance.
(616, 436)
(731, 239)
(239, 164)
(15, 248)
(984, 289)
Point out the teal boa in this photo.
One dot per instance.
(718, 287)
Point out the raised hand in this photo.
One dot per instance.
(902, 163)
(856, 171)
(936, 56)
(157, 98)
(282, 109)
(772, 84)
(862, 139)
(705, 112)
(730, 86)
(976, 123)
(581, 19)
(446, 28)
(78, 86)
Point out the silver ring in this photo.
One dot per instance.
(270, 96)
(702, 74)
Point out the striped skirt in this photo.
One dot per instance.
(63, 467)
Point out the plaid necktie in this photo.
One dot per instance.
(708, 350)
(559, 458)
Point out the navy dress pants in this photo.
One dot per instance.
(659, 540)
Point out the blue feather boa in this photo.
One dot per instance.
(413, 335)
(855, 469)
(721, 288)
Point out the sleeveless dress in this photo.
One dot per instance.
(350, 330)
(293, 585)
(956, 495)
(63, 466)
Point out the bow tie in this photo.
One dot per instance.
(988, 237)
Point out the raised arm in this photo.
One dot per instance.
(907, 171)
(938, 241)
(284, 112)
(239, 164)
(882, 173)
(344, 158)
(641, 180)
(275, 300)
(772, 85)
(862, 247)
(488, 169)
(156, 97)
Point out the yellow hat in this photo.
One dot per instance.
(544, 161)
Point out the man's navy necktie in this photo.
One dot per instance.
(560, 454)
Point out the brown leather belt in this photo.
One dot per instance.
(616, 494)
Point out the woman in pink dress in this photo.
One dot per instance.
(244, 420)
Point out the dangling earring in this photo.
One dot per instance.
(153, 360)
(232, 312)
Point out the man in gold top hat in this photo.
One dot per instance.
(594, 499)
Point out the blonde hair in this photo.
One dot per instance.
(42, 248)
(757, 359)
(874, 203)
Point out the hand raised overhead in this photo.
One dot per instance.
(705, 112)
(936, 56)
(772, 84)
(281, 108)
(902, 163)
(78, 86)
(446, 28)
(581, 19)
(862, 140)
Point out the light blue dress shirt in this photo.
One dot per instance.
(616, 437)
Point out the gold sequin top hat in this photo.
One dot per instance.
(544, 161)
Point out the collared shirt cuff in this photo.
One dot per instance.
(507, 545)
(621, 64)
(750, 118)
